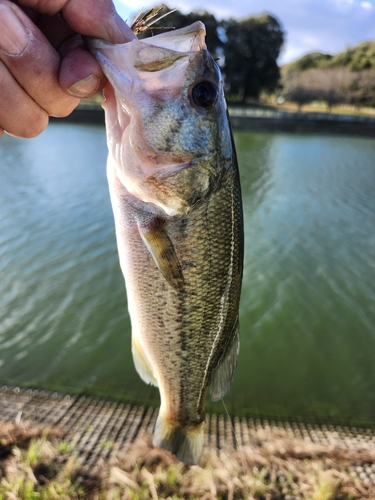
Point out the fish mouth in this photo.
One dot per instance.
(188, 39)
(148, 55)
(146, 79)
(162, 60)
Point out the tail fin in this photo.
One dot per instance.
(185, 442)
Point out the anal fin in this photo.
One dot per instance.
(162, 250)
(222, 376)
(141, 365)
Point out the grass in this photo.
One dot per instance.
(321, 107)
(36, 463)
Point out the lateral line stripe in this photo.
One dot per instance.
(223, 301)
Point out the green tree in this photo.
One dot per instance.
(358, 58)
(312, 60)
(251, 50)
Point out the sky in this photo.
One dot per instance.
(328, 26)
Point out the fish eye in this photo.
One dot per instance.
(204, 94)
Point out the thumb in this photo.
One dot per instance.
(93, 18)
(99, 20)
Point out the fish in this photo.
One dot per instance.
(175, 191)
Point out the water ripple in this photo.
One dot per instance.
(307, 308)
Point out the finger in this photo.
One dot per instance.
(100, 21)
(32, 61)
(80, 74)
(55, 29)
(96, 18)
(19, 113)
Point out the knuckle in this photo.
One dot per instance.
(64, 108)
(33, 125)
(38, 124)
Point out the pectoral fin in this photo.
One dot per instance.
(222, 376)
(141, 365)
(162, 250)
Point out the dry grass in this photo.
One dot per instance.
(274, 466)
(36, 464)
(321, 107)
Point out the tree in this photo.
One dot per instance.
(348, 76)
(301, 96)
(246, 50)
(251, 50)
(329, 85)
(312, 60)
(358, 58)
(362, 89)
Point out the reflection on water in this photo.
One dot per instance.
(307, 310)
(308, 315)
(63, 310)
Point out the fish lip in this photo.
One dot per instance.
(163, 40)
(95, 44)
(188, 41)
(168, 39)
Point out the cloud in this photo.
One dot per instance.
(310, 25)
(367, 6)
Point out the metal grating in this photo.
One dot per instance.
(99, 429)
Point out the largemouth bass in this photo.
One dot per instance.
(176, 199)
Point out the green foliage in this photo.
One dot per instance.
(345, 77)
(251, 51)
(356, 58)
(309, 61)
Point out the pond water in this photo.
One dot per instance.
(308, 302)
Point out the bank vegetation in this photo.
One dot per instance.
(344, 78)
(248, 49)
(36, 463)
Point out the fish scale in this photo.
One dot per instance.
(175, 192)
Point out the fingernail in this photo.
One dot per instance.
(13, 35)
(85, 87)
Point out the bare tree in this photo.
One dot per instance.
(362, 88)
(301, 96)
(329, 85)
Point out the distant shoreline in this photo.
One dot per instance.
(300, 124)
(282, 122)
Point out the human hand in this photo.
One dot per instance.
(45, 67)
